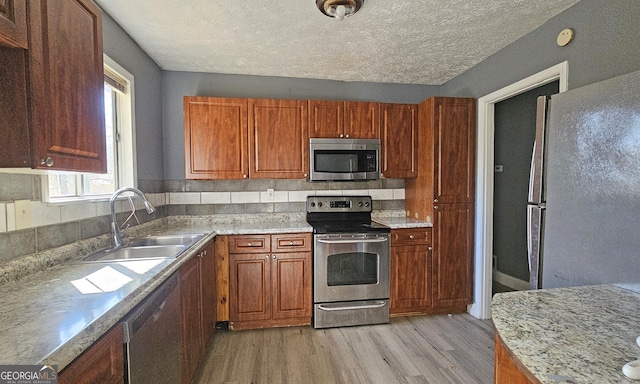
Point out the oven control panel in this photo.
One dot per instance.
(339, 204)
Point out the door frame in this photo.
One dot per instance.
(481, 308)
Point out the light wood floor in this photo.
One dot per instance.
(422, 349)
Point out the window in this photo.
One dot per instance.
(118, 108)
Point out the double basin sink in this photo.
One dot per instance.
(150, 247)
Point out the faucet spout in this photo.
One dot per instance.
(116, 236)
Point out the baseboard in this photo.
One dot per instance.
(510, 281)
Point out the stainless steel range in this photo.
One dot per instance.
(351, 262)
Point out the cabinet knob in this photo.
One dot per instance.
(291, 243)
(266, 257)
(249, 244)
(341, 135)
(430, 248)
(274, 257)
(347, 136)
(306, 175)
(411, 237)
(48, 161)
(244, 176)
(435, 207)
(435, 200)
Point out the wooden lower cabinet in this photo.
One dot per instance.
(269, 280)
(453, 257)
(505, 369)
(198, 304)
(411, 271)
(102, 363)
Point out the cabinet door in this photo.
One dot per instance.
(399, 139)
(208, 302)
(453, 255)
(278, 139)
(66, 85)
(192, 347)
(326, 118)
(410, 279)
(362, 120)
(215, 138)
(102, 363)
(454, 150)
(13, 23)
(249, 287)
(291, 285)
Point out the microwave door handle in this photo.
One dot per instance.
(353, 241)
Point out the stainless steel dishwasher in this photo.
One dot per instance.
(152, 337)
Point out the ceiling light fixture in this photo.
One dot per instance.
(339, 9)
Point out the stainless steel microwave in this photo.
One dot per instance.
(344, 159)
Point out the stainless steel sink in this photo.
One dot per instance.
(185, 240)
(150, 247)
(138, 253)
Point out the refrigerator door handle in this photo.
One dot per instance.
(537, 157)
(534, 242)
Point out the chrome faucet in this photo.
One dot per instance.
(116, 236)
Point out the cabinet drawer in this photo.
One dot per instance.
(294, 242)
(249, 244)
(410, 236)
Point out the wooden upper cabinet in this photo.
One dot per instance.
(326, 118)
(454, 150)
(348, 119)
(362, 120)
(61, 76)
(67, 81)
(399, 140)
(278, 139)
(215, 138)
(13, 23)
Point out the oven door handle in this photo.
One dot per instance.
(380, 304)
(353, 241)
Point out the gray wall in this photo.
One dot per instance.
(606, 44)
(119, 46)
(176, 85)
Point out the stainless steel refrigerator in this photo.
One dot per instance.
(584, 190)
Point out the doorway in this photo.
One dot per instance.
(481, 308)
(514, 134)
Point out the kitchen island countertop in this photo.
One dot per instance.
(583, 334)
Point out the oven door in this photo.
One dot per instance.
(350, 267)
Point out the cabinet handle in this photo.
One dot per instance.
(48, 161)
(411, 237)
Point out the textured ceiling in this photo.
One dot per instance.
(404, 41)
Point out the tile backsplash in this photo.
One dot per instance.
(29, 225)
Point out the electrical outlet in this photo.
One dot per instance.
(270, 194)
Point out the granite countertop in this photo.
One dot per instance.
(583, 334)
(395, 222)
(47, 319)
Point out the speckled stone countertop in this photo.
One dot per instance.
(395, 222)
(47, 320)
(583, 334)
